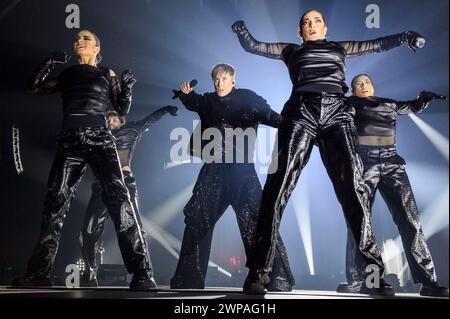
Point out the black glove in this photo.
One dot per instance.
(413, 39)
(128, 80)
(59, 57)
(173, 110)
(44, 69)
(238, 26)
(427, 96)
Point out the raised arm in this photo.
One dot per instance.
(419, 104)
(148, 121)
(248, 42)
(121, 94)
(39, 84)
(191, 100)
(355, 48)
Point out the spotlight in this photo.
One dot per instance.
(81, 265)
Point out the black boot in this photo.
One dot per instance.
(281, 279)
(353, 287)
(142, 281)
(30, 281)
(433, 290)
(279, 285)
(384, 289)
(256, 282)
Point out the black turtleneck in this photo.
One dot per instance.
(376, 116)
(87, 93)
(317, 66)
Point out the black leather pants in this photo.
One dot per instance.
(384, 170)
(217, 187)
(94, 222)
(75, 150)
(326, 120)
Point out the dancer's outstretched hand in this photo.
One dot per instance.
(413, 39)
(427, 96)
(238, 26)
(59, 57)
(128, 80)
(173, 110)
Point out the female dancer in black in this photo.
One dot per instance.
(317, 113)
(384, 170)
(87, 91)
(127, 137)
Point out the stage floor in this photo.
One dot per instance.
(165, 293)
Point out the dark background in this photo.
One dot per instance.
(167, 42)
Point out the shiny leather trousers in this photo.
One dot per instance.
(75, 150)
(217, 187)
(384, 170)
(326, 120)
(94, 223)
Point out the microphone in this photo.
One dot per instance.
(439, 97)
(420, 42)
(178, 93)
(428, 95)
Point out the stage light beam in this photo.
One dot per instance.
(166, 212)
(171, 243)
(437, 139)
(302, 213)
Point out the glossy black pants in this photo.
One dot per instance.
(75, 150)
(95, 218)
(327, 121)
(384, 170)
(219, 186)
